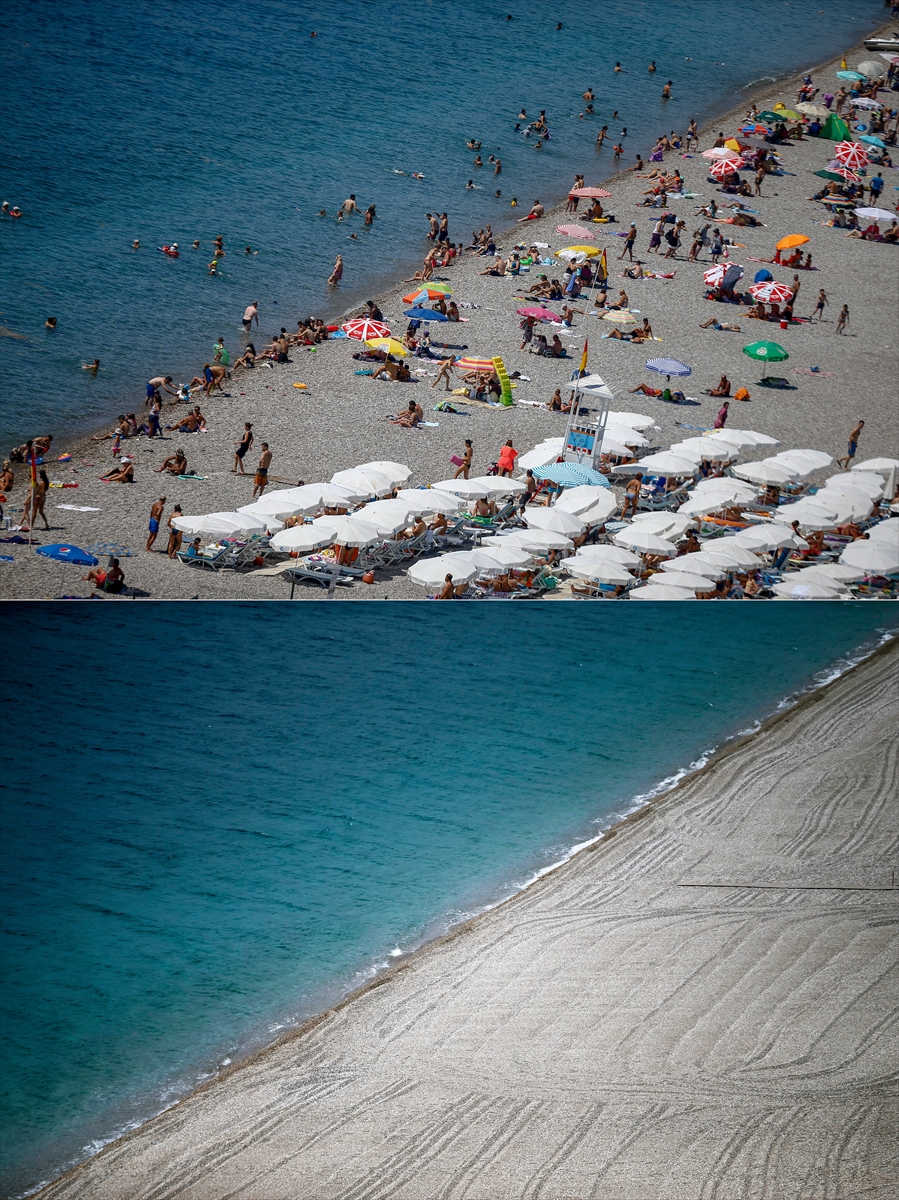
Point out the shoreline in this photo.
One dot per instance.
(644, 805)
(554, 209)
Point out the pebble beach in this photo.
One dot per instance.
(338, 419)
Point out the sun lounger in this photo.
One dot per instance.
(208, 560)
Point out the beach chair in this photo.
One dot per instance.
(324, 576)
(208, 560)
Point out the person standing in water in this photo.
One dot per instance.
(337, 274)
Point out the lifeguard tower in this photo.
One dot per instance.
(583, 438)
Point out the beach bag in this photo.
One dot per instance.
(456, 460)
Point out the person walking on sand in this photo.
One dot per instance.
(723, 413)
(155, 518)
(507, 457)
(246, 441)
(842, 319)
(819, 307)
(631, 496)
(445, 373)
(251, 314)
(853, 446)
(465, 465)
(629, 242)
(265, 459)
(337, 274)
(175, 535)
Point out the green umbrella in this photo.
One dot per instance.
(766, 352)
(829, 175)
(768, 117)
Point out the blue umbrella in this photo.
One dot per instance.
(426, 314)
(668, 366)
(874, 141)
(62, 552)
(855, 76)
(762, 276)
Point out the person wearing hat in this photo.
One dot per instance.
(122, 474)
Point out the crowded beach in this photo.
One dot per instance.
(678, 384)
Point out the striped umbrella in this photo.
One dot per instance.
(363, 328)
(728, 273)
(849, 176)
(429, 291)
(595, 193)
(576, 231)
(779, 293)
(474, 364)
(851, 154)
(720, 152)
(725, 166)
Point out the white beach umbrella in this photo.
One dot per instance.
(431, 572)
(764, 472)
(697, 563)
(633, 538)
(429, 500)
(870, 485)
(612, 554)
(698, 449)
(747, 438)
(877, 558)
(349, 531)
(302, 538)
(388, 515)
(601, 511)
(535, 539)
(813, 589)
(666, 524)
(666, 463)
(880, 466)
(506, 556)
(370, 483)
(597, 570)
(885, 532)
(220, 524)
(631, 420)
(767, 537)
(500, 485)
(396, 472)
(726, 550)
(554, 519)
(484, 560)
(540, 456)
(814, 512)
(307, 498)
(616, 449)
(625, 436)
(816, 458)
(659, 591)
(836, 573)
(578, 499)
(720, 483)
(860, 501)
(682, 579)
(466, 488)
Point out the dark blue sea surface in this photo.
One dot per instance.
(216, 823)
(174, 121)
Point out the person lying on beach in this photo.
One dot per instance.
(175, 464)
(193, 422)
(398, 372)
(123, 474)
(412, 418)
(646, 390)
(719, 325)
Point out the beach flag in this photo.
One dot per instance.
(33, 468)
(602, 270)
(582, 369)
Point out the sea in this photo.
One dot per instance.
(174, 121)
(215, 825)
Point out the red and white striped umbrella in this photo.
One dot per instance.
(852, 154)
(725, 166)
(362, 328)
(849, 176)
(771, 292)
(576, 231)
(715, 275)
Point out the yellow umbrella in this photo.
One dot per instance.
(391, 345)
(590, 251)
(622, 315)
(791, 241)
(733, 144)
(789, 114)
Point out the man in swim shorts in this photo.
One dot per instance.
(261, 479)
(251, 314)
(155, 518)
(853, 446)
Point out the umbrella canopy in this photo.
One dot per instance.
(720, 153)
(621, 315)
(540, 456)
(877, 558)
(836, 573)
(725, 166)
(390, 345)
(537, 539)
(875, 214)
(870, 486)
(629, 420)
(468, 488)
(540, 314)
(807, 460)
(576, 231)
(860, 502)
(468, 363)
(305, 499)
(499, 485)
(767, 537)
(666, 463)
(867, 102)
(612, 554)
(851, 154)
(791, 241)
(812, 589)
(644, 542)
(597, 570)
(703, 449)
(428, 291)
(302, 538)
(388, 515)
(431, 572)
(813, 110)
(723, 274)
(772, 116)
(363, 328)
(762, 276)
(601, 510)
(666, 524)
(221, 524)
(852, 76)
(396, 472)
(885, 531)
(768, 292)
(483, 560)
(349, 531)
(742, 437)
(505, 556)
(681, 579)
(668, 366)
(429, 500)
(766, 352)
(659, 591)
(425, 314)
(627, 437)
(65, 553)
(370, 483)
(591, 193)
(870, 68)
(696, 563)
(556, 520)
(813, 513)
(880, 466)
(590, 251)
(581, 497)
(764, 472)
(872, 140)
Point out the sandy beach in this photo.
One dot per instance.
(338, 421)
(700, 1005)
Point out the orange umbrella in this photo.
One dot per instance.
(791, 241)
(433, 293)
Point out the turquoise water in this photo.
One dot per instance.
(175, 121)
(215, 827)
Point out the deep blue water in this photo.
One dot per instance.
(214, 827)
(174, 121)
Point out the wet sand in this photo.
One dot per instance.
(702, 1005)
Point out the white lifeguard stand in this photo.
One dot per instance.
(583, 438)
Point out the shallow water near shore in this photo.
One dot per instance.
(174, 122)
(211, 835)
